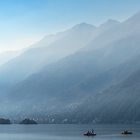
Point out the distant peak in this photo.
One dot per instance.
(134, 18)
(83, 25)
(112, 21)
(109, 23)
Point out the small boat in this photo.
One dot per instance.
(127, 132)
(90, 133)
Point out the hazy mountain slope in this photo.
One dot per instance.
(54, 83)
(41, 54)
(123, 30)
(119, 103)
(51, 49)
(105, 27)
(54, 86)
(8, 55)
(95, 84)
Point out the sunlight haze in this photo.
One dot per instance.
(23, 22)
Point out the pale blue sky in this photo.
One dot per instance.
(23, 22)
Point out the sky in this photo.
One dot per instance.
(24, 22)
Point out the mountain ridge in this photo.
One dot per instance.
(85, 80)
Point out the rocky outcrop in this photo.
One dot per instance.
(4, 121)
(28, 121)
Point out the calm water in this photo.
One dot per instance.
(66, 132)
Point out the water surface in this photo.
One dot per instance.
(66, 132)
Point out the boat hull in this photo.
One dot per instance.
(89, 135)
(128, 133)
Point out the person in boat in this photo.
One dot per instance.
(88, 132)
(92, 131)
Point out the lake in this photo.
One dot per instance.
(66, 132)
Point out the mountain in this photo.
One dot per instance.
(108, 25)
(50, 49)
(123, 30)
(61, 85)
(97, 83)
(80, 79)
(117, 104)
(78, 76)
